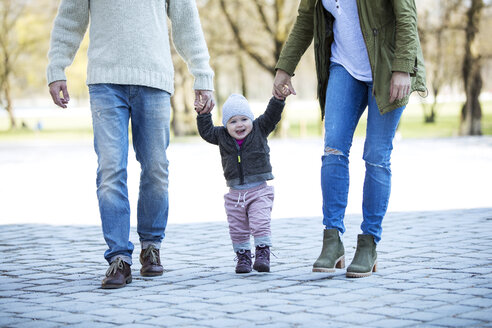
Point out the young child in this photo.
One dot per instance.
(245, 157)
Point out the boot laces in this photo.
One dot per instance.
(114, 267)
(262, 252)
(151, 252)
(243, 258)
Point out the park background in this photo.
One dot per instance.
(434, 260)
(48, 164)
(244, 40)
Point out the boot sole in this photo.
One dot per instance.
(151, 274)
(262, 268)
(361, 274)
(110, 286)
(339, 264)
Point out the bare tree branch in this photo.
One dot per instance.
(241, 43)
(264, 20)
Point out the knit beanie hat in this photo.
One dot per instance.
(236, 105)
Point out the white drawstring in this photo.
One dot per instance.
(239, 199)
(244, 198)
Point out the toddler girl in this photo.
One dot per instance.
(244, 150)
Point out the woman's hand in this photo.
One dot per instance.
(282, 86)
(400, 86)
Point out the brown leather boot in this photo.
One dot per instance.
(118, 275)
(151, 262)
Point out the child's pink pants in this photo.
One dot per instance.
(248, 213)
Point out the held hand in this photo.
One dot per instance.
(282, 86)
(400, 86)
(55, 89)
(204, 101)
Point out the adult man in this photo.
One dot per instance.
(130, 76)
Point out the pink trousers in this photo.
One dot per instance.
(248, 212)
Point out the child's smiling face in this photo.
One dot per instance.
(239, 126)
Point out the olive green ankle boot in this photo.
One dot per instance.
(332, 255)
(365, 258)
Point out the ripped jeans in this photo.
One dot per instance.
(346, 100)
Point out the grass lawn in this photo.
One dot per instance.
(411, 125)
(299, 120)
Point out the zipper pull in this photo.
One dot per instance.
(239, 158)
(375, 31)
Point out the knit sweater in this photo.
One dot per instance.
(129, 42)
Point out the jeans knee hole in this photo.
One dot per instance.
(332, 151)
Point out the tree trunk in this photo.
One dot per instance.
(430, 117)
(471, 113)
(174, 125)
(8, 101)
(218, 91)
(242, 73)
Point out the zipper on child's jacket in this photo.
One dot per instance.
(240, 165)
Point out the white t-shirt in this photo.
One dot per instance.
(348, 48)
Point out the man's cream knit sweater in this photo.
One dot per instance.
(129, 42)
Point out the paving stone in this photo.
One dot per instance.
(473, 291)
(11, 321)
(95, 324)
(159, 311)
(417, 284)
(225, 322)
(390, 323)
(39, 315)
(423, 316)
(127, 318)
(390, 311)
(169, 321)
(478, 302)
(332, 310)
(446, 297)
(37, 324)
(483, 314)
(453, 309)
(73, 318)
(455, 322)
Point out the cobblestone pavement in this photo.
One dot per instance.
(435, 270)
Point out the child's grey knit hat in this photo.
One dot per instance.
(236, 105)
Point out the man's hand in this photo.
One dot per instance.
(56, 88)
(282, 86)
(204, 101)
(400, 86)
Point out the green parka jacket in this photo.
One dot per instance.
(389, 28)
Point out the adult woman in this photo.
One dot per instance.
(367, 55)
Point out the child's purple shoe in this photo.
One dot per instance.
(262, 258)
(243, 261)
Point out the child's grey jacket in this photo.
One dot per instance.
(250, 162)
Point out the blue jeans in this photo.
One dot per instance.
(112, 107)
(346, 100)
